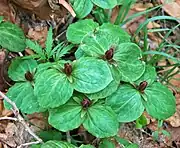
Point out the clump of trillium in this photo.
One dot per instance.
(80, 110)
(129, 101)
(87, 91)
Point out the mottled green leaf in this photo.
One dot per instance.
(66, 117)
(149, 75)
(53, 88)
(107, 91)
(57, 144)
(82, 7)
(114, 32)
(23, 95)
(91, 75)
(126, 102)
(101, 121)
(12, 37)
(19, 67)
(106, 4)
(106, 36)
(127, 56)
(95, 44)
(77, 31)
(79, 53)
(160, 102)
(86, 146)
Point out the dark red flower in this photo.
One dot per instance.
(29, 76)
(142, 86)
(86, 103)
(67, 69)
(109, 54)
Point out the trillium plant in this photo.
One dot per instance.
(107, 83)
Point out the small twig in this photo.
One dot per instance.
(21, 120)
(28, 144)
(68, 7)
(8, 118)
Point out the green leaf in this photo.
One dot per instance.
(50, 135)
(66, 117)
(79, 53)
(141, 121)
(160, 102)
(23, 95)
(101, 121)
(149, 75)
(57, 144)
(155, 135)
(49, 42)
(126, 102)
(114, 32)
(52, 88)
(127, 56)
(106, 4)
(107, 91)
(60, 50)
(91, 75)
(36, 146)
(19, 67)
(36, 47)
(166, 133)
(106, 143)
(86, 146)
(122, 141)
(12, 37)
(82, 7)
(77, 31)
(97, 43)
(133, 146)
(42, 67)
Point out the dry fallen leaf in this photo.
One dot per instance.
(15, 135)
(172, 8)
(141, 6)
(38, 120)
(175, 119)
(38, 34)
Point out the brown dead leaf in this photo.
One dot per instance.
(5, 11)
(175, 81)
(152, 25)
(15, 135)
(141, 6)
(38, 120)
(175, 119)
(39, 7)
(172, 8)
(39, 34)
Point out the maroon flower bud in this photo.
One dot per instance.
(142, 86)
(29, 76)
(109, 54)
(67, 69)
(86, 103)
